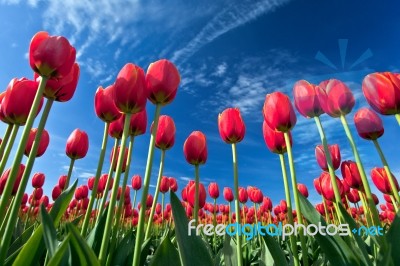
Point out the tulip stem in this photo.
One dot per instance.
(142, 213)
(71, 167)
(388, 172)
(20, 152)
(156, 193)
(367, 189)
(237, 208)
(8, 149)
(296, 198)
(367, 213)
(134, 199)
(329, 160)
(110, 212)
(24, 181)
(293, 241)
(230, 213)
(397, 118)
(109, 177)
(196, 195)
(93, 195)
(5, 139)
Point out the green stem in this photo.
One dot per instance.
(109, 220)
(162, 210)
(109, 177)
(289, 210)
(396, 209)
(196, 195)
(326, 210)
(237, 208)
(21, 147)
(388, 172)
(142, 213)
(296, 197)
(96, 180)
(71, 167)
(230, 213)
(134, 199)
(215, 224)
(329, 160)
(156, 193)
(360, 167)
(367, 213)
(7, 152)
(5, 139)
(24, 181)
(397, 118)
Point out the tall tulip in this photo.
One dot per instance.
(44, 142)
(278, 112)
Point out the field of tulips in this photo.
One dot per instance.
(103, 223)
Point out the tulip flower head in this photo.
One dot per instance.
(213, 190)
(136, 182)
(321, 157)
(104, 105)
(191, 195)
(195, 148)
(38, 180)
(368, 124)
(307, 99)
(350, 174)
(275, 140)
(303, 189)
(77, 144)
(381, 181)
(278, 112)
(231, 126)
(228, 194)
(338, 99)
(165, 137)
(43, 144)
(138, 123)
(164, 185)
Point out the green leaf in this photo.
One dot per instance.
(84, 252)
(144, 251)
(124, 250)
(334, 247)
(49, 231)
(229, 249)
(272, 251)
(393, 236)
(33, 250)
(21, 240)
(166, 254)
(192, 249)
(96, 235)
(59, 254)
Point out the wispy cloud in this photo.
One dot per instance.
(228, 19)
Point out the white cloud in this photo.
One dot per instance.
(220, 69)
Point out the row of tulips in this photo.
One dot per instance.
(98, 223)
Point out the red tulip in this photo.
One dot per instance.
(303, 189)
(231, 126)
(77, 144)
(162, 81)
(62, 181)
(381, 181)
(338, 99)
(243, 195)
(283, 205)
(18, 100)
(37, 193)
(43, 144)
(375, 199)
(138, 123)
(164, 185)
(130, 95)
(4, 178)
(278, 112)
(24, 199)
(116, 128)
(317, 185)
(255, 195)
(2, 115)
(368, 124)
(382, 92)
(115, 162)
(104, 105)
(351, 174)
(321, 158)
(353, 196)
(320, 208)
(91, 183)
(165, 137)
(228, 194)
(173, 185)
(327, 188)
(38, 180)
(149, 201)
(213, 190)
(275, 140)
(195, 148)
(191, 195)
(136, 182)
(307, 99)
(51, 56)
(267, 203)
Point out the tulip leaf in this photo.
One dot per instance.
(144, 251)
(79, 245)
(21, 240)
(49, 231)
(273, 254)
(335, 248)
(34, 248)
(96, 235)
(166, 254)
(192, 249)
(392, 237)
(59, 254)
(229, 249)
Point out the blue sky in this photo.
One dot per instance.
(229, 54)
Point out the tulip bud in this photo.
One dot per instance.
(255, 195)
(243, 195)
(321, 157)
(338, 99)
(275, 140)
(38, 180)
(165, 136)
(231, 126)
(195, 148)
(302, 189)
(381, 181)
(191, 195)
(351, 174)
(382, 92)
(278, 112)
(62, 181)
(368, 124)
(43, 144)
(173, 185)
(77, 144)
(307, 99)
(164, 185)
(104, 105)
(228, 194)
(162, 81)
(213, 190)
(136, 182)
